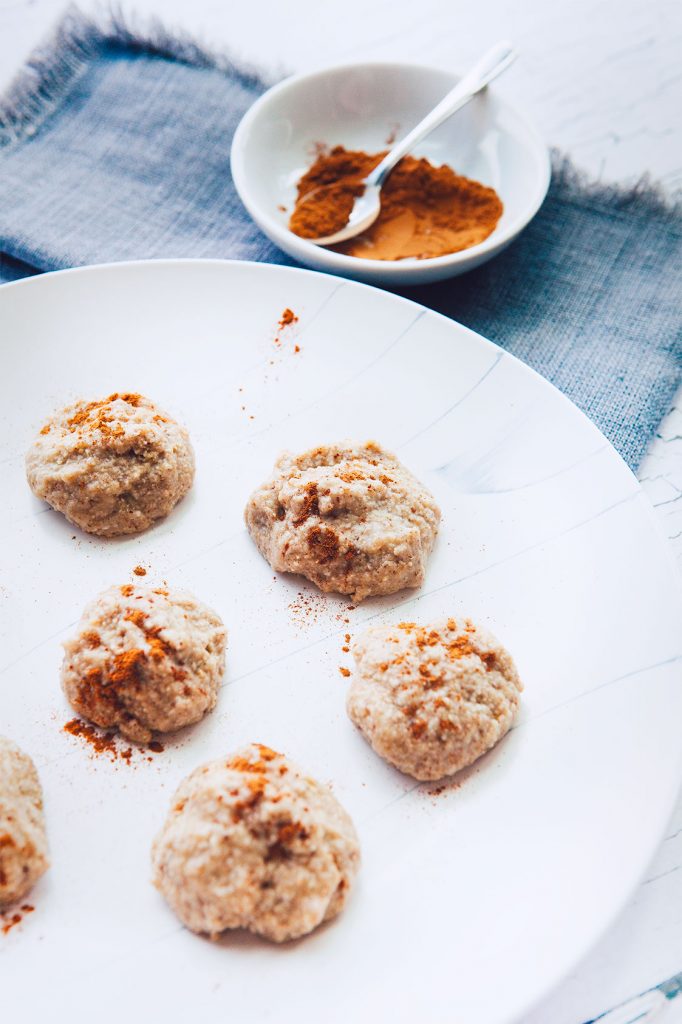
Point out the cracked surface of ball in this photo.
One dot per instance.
(251, 842)
(113, 466)
(350, 517)
(432, 699)
(144, 659)
(23, 842)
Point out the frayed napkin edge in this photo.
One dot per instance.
(56, 64)
(644, 198)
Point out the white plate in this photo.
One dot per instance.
(471, 904)
(359, 106)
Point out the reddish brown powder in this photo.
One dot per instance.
(158, 647)
(256, 780)
(99, 742)
(426, 211)
(11, 918)
(309, 506)
(98, 416)
(126, 667)
(287, 317)
(324, 209)
(323, 544)
(104, 743)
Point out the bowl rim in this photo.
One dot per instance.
(286, 239)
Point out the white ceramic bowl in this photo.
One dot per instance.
(360, 106)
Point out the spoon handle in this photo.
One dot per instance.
(491, 64)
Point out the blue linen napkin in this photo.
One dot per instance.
(115, 145)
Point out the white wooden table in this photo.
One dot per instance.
(601, 78)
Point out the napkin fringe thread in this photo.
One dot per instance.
(56, 65)
(644, 198)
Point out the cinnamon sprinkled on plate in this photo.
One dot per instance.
(99, 742)
(11, 918)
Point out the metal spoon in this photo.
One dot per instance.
(366, 207)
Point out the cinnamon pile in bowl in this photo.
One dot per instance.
(426, 211)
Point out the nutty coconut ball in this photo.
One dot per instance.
(23, 843)
(347, 516)
(251, 842)
(432, 699)
(144, 660)
(112, 466)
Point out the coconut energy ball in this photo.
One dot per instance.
(112, 466)
(432, 699)
(347, 516)
(251, 842)
(23, 843)
(144, 660)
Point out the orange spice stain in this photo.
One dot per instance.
(99, 742)
(11, 918)
(286, 320)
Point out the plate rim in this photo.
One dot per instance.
(638, 871)
(342, 281)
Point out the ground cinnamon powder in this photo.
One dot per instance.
(426, 211)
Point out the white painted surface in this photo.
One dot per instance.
(602, 81)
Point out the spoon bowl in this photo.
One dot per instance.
(364, 212)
